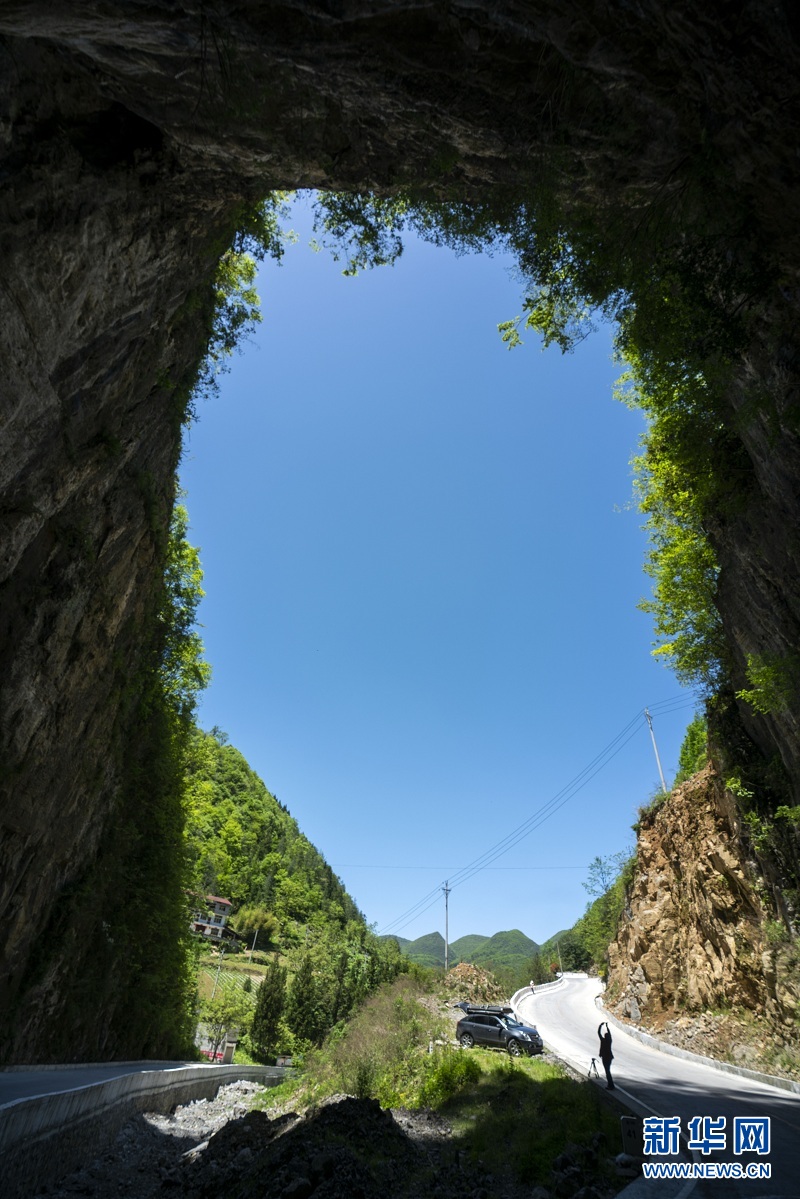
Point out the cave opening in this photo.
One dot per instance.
(420, 556)
(132, 148)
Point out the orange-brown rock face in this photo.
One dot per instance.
(692, 935)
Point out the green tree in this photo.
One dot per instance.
(603, 872)
(270, 1004)
(256, 924)
(694, 749)
(306, 1014)
(574, 955)
(537, 969)
(230, 1008)
(608, 880)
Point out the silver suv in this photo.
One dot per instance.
(498, 1028)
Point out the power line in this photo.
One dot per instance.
(377, 866)
(601, 760)
(548, 810)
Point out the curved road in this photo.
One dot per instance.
(567, 1017)
(20, 1083)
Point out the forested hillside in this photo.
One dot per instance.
(244, 845)
(505, 952)
(321, 959)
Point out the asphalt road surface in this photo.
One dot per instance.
(567, 1017)
(25, 1084)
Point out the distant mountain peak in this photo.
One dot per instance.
(507, 950)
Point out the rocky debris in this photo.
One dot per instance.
(736, 1037)
(342, 1148)
(691, 963)
(469, 982)
(627, 1166)
(147, 1155)
(575, 1168)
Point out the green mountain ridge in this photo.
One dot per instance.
(427, 950)
(508, 950)
(245, 846)
(464, 946)
(505, 951)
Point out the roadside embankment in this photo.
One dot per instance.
(46, 1136)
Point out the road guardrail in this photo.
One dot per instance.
(46, 1136)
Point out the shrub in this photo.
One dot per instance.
(449, 1071)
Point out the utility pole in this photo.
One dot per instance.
(655, 747)
(447, 889)
(252, 951)
(219, 967)
(558, 947)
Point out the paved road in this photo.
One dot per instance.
(24, 1084)
(567, 1018)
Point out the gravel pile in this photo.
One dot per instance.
(345, 1148)
(147, 1157)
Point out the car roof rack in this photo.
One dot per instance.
(491, 1009)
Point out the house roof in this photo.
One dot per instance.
(216, 899)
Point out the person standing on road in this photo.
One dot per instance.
(606, 1056)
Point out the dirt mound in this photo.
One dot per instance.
(469, 982)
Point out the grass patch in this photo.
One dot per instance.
(511, 1117)
(523, 1113)
(237, 964)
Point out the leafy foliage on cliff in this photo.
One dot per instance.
(184, 673)
(141, 959)
(234, 306)
(693, 754)
(680, 304)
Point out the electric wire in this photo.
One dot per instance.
(381, 866)
(543, 813)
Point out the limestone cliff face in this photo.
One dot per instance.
(132, 133)
(693, 934)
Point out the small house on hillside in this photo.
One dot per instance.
(210, 920)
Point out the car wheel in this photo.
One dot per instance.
(467, 1040)
(514, 1048)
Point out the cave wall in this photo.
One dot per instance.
(130, 136)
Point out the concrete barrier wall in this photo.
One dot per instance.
(646, 1038)
(47, 1136)
(524, 992)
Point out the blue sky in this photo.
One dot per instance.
(422, 568)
